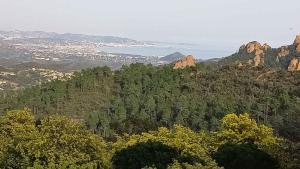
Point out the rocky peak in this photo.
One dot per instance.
(255, 54)
(258, 50)
(294, 65)
(253, 46)
(187, 61)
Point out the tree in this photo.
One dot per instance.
(190, 143)
(53, 142)
(239, 128)
(150, 153)
(245, 155)
(20, 136)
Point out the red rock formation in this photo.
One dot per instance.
(297, 43)
(185, 62)
(259, 57)
(253, 46)
(258, 50)
(294, 65)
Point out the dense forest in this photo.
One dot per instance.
(141, 97)
(120, 106)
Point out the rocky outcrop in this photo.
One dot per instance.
(294, 65)
(256, 54)
(283, 51)
(185, 62)
(297, 43)
(258, 51)
(259, 58)
(253, 46)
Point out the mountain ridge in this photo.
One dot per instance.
(255, 54)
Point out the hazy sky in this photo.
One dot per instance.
(219, 24)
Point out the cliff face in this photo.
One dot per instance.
(185, 62)
(294, 65)
(297, 43)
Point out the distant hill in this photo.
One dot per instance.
(37, 36)
(172, 57)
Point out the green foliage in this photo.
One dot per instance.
(190, 143)
(60, 142)
(240, 128)
(177, 165)
(53, 142)
(141, 98)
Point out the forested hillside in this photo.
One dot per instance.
(141, 97)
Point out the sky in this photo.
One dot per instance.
(215, 24)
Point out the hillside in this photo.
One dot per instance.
(141, 97)
(172, 57)
(182, 112)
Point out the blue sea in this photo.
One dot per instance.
(163, 49)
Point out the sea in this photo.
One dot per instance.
(163, 49)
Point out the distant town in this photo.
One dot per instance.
(31, 57)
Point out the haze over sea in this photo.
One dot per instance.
(162, 49)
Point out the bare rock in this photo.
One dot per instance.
(297, 43)
(252, 46)
(294, 65)
(258, 51)
(185, 62)
(259, 58)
